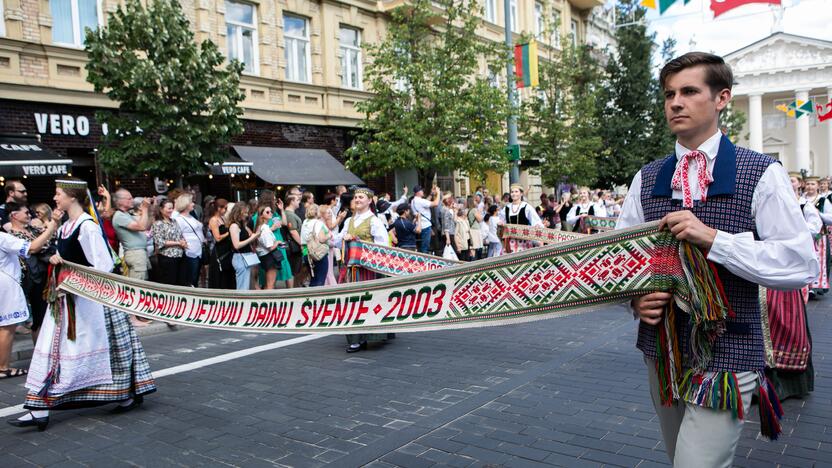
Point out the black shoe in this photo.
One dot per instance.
(41, 423)
(358, 348)
(137, 401)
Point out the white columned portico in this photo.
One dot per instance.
(801, 137)
(755, 122)
(828, 125)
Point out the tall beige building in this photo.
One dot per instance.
(303, 71)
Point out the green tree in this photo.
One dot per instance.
(660, 138)
(560, 122)
(732, 122)
(432, 109)
(178, 106)
(627, 104)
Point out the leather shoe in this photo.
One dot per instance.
(137, 401)
(40, 423)
(358, 348)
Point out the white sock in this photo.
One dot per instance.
(33, 414)
(127, 402)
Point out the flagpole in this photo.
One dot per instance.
(514, 170)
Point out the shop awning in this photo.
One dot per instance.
(289, 166)
(232, 166)
(24, 155)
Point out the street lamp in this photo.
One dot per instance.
(513, 145)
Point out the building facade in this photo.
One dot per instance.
(303, 66)
(772, 73)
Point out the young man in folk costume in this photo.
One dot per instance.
(824, 207)
(88, 354)
(738, 207)
(365, 226)
(519, 212)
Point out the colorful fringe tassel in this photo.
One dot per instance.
(770, 410)
(709, 305)
(717, 390)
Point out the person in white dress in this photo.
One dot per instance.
(585, 207)
(13, 306)
(519, 212)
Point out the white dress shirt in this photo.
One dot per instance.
(377, 229)
(783, 258)
(811, 216)
(531, 214)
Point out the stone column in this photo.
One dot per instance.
(801, 126)
(755, 122)
(828, 125)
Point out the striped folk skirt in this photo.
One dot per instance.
(793, 374)
(129, 366)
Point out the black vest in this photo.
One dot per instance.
(70, 248)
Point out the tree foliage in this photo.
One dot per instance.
(560, 123)
(628, 101)
(178, 106)
(732, 123)
(432, 108)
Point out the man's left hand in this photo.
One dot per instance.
(686, 226)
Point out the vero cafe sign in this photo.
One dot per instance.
(64, 124)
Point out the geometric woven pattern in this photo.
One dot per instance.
(537, 234)
(542, 282)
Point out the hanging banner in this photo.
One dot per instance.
(545, 282)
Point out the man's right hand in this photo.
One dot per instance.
(650, 307)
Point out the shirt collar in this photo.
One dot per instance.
(710, 147)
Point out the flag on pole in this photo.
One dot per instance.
(721, 6)
(661, 5)
(525, 64)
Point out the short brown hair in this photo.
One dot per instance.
(718, 74)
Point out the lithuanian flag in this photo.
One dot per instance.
(525, 64)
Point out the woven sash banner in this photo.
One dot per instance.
(545, 282)
(537, 234)
(597, 223)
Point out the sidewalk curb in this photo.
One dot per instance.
(22, 347)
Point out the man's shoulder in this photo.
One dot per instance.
(656, 164)
(749, 155)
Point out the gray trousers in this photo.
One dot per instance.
(695, 436)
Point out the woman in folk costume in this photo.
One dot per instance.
(824, 207)
(365, 226)
(585, 207)
(87, 354)
(790, 362)
(520, 212)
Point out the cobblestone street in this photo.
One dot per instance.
(566, 392)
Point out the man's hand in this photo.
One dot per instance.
(686, 226)
(650, 307)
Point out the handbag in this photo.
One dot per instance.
(250, 259)
(315, 249)
(278, 257)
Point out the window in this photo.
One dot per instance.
(350, 40)
(513, 11)
(539, 27)
(556, 19)
(2, 20)
(241, 24)
(70, 18)
(493, 79)
(491, 10)
(574, 32)
(296, 34)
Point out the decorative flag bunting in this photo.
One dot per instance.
(797, 109)
(721, 6)
(662, 6)
(828, 115)
(525, 64)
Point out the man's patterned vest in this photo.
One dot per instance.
(728, 208)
